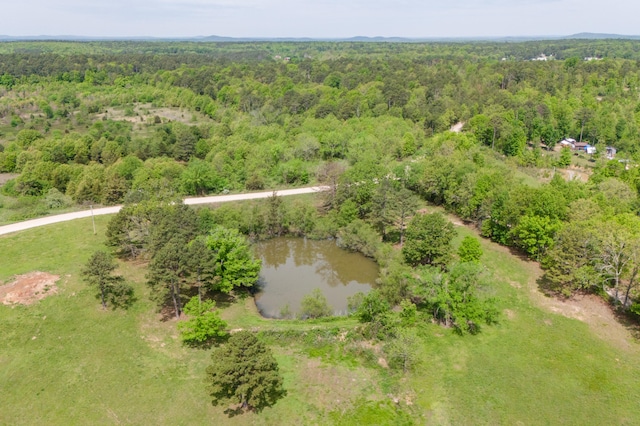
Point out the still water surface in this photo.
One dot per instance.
(293, 267)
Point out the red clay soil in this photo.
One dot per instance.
(29, 288)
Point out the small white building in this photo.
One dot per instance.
(568, 143)
(543, 57)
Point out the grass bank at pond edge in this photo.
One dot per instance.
(64, 360)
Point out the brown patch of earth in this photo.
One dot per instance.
(575, 173)
(407, 398)
(590, 309)
(509, 314)
(457, 128)
(145, 113)
(160, 335)
(598, 315)
(29, 288)
(514, 284)
(5, 177)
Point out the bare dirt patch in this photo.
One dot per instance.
(383, 362)
(597, 313)
(5, 177)
(29, 288)
(514, 284)
(590, 309)
(457, 128)
(575, 173)
(146, 113)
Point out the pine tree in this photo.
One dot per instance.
(244, 371)
(98, 273)
(167, 271)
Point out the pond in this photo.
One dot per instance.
(293, 267)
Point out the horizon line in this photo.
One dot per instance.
(65, 37)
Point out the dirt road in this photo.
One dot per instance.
(48, 220)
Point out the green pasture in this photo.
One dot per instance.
(65, 361)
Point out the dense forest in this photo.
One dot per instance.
(113, 122)
(422, 149)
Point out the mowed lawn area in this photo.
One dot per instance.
(65, 361)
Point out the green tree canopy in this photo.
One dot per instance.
(315, 305)
(454, 297)
(235, 264)
(429, 239)
(167, 271)
(244, 372)
(470, 250)
(203, 324)
(98, 273)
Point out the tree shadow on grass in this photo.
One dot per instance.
(628, 320)
(547, 288)
(216, 341)
(167, 313)
(232, 412)
(240, 409)
(517, 252)
(223, 300)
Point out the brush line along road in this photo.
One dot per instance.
(48, 220)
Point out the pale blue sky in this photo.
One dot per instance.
(318, 18)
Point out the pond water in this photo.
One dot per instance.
(293, 267)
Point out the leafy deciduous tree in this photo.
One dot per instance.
(375, 312)
(235, 264)
(203, 323)
(453, 297)
(569, 264)
(428, 240)
(470, 250)
(535, 234)
(315, 305)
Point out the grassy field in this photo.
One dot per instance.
(65, 361)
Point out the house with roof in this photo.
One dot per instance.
(568, 143)
(543, 57)
(585, 147)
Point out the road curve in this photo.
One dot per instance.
(48, 220)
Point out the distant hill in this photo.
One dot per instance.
(599, 36)
(78, 38)
(359, 39)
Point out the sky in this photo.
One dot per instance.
(318, 18)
